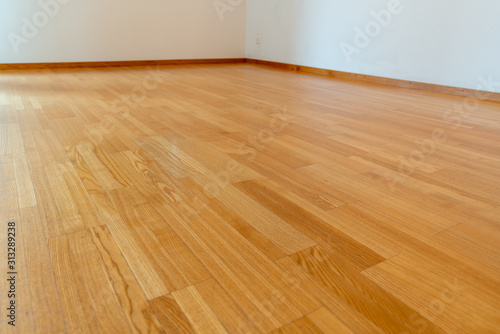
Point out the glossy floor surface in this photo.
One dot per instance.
(245, 199)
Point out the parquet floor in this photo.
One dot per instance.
(245, 199)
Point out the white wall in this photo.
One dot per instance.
(447, 42)
(112, 30)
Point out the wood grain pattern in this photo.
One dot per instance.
(381, 80)
(133, 302)
(327, 323)
(291, 67)
(24, 303)
(171, 317)
(27, 66)
(234, 198)
(197, 311)
(225, 308)
(303, 325)
(43, 293)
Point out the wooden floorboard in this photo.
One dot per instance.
(235, 198)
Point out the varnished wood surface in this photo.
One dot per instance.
(467, 92)
(92, 64)
(241, 199)
(473, 93)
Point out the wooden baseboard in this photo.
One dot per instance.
(28, 66)
(473, 93)
(484, 95)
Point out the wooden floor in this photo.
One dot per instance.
(245, 199)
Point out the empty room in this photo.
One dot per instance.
(249, 166)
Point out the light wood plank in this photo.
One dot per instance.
(328, 323)
(44, 296)
(224, 307)
(233, 199)
(132, 300)
(171, 317)
(197, 311)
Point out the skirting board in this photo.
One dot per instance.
(26, 66)
(484, 95)
(473, 93)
